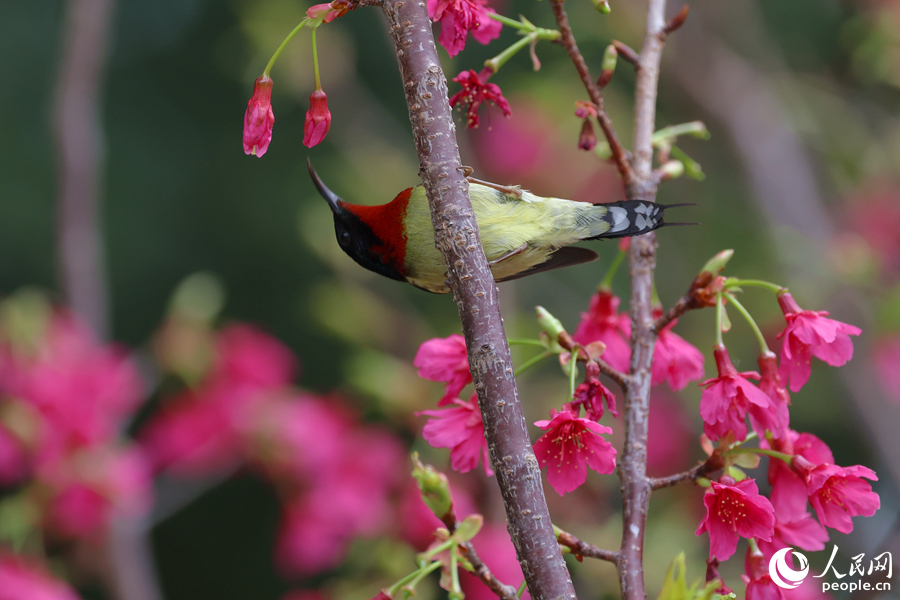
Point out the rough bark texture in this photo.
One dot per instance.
(636, 486)
(456, 233)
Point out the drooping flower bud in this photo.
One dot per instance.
(259, 118)
(587, 139)
(318, 119)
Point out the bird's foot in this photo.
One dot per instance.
(509, 254)
(506, 189)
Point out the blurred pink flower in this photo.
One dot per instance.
(259, 118)
(204, 429)
(247, 355)
(82, 390)
(462, 430)
(886, 356)
(671, 434)
(735, 509)
(458, 18)
(674, 359)
(350, 498)
(762, 588)
(569, 447)
(24, 580)
(418, 523)
(603, 322)
(13, 460)
(95, 488)
(810, 333)
(875, 216)
(445, 359)
(728, 398)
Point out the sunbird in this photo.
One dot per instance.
(521, 233)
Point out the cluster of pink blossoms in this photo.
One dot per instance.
(335, 475)
(64, 398)
(734, 508)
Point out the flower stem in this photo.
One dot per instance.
(284, 43)
(455, 589)
(430, 554)
(413, 578)
(772, 287)
(315, 60)
(719, 309)
(524, 342)
(773, 453)
(498, 61)
(573, 370)
(694, 128)
(611, 272)
(530, 363)
(763, 348)
(521, 590)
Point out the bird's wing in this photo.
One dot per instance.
(564, 257)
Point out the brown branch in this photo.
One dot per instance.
(712, 464)
(582, 548)
(78, 129)
(642, 262)
(457, 238)
(506, 592)
(567, 40)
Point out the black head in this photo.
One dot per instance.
(354, 236)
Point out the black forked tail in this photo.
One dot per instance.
(634, 217)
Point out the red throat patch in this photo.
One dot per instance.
(387, 223)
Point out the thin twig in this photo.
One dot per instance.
(642, 262)
(578, 351)
(567, 40)
(457, 238)
(712, 464)
(502, 590)
(582, 548)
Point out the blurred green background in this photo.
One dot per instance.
(801, 99)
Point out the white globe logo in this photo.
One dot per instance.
(782, 574)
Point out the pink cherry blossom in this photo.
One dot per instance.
(569, 447)
(476, 90)
(728, 398)
(592, 395)
(770, 384)
(445, 359)
(838, 493)
(259, 118)
(762, 589)
(810, 333)
(735, 510)
(458, 18)
(675, 360)
(318, 119)
(314, 12)
(13, 460)
(603, 322)
(248, 355)
(462, 430)
(24, 580)
(789, 494)
(91, 490)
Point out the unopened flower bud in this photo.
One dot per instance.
(550, 324)
(434, 486)
(587, 139)
(259, 118)
(608, 66)
(602, 6)
(717, 263)
(671, 169)
(318, 119)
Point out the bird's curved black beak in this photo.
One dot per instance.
(329, 196)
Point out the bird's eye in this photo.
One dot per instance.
(344, 238)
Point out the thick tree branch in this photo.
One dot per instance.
(456, 234)
(642, 261)
(567, 40)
